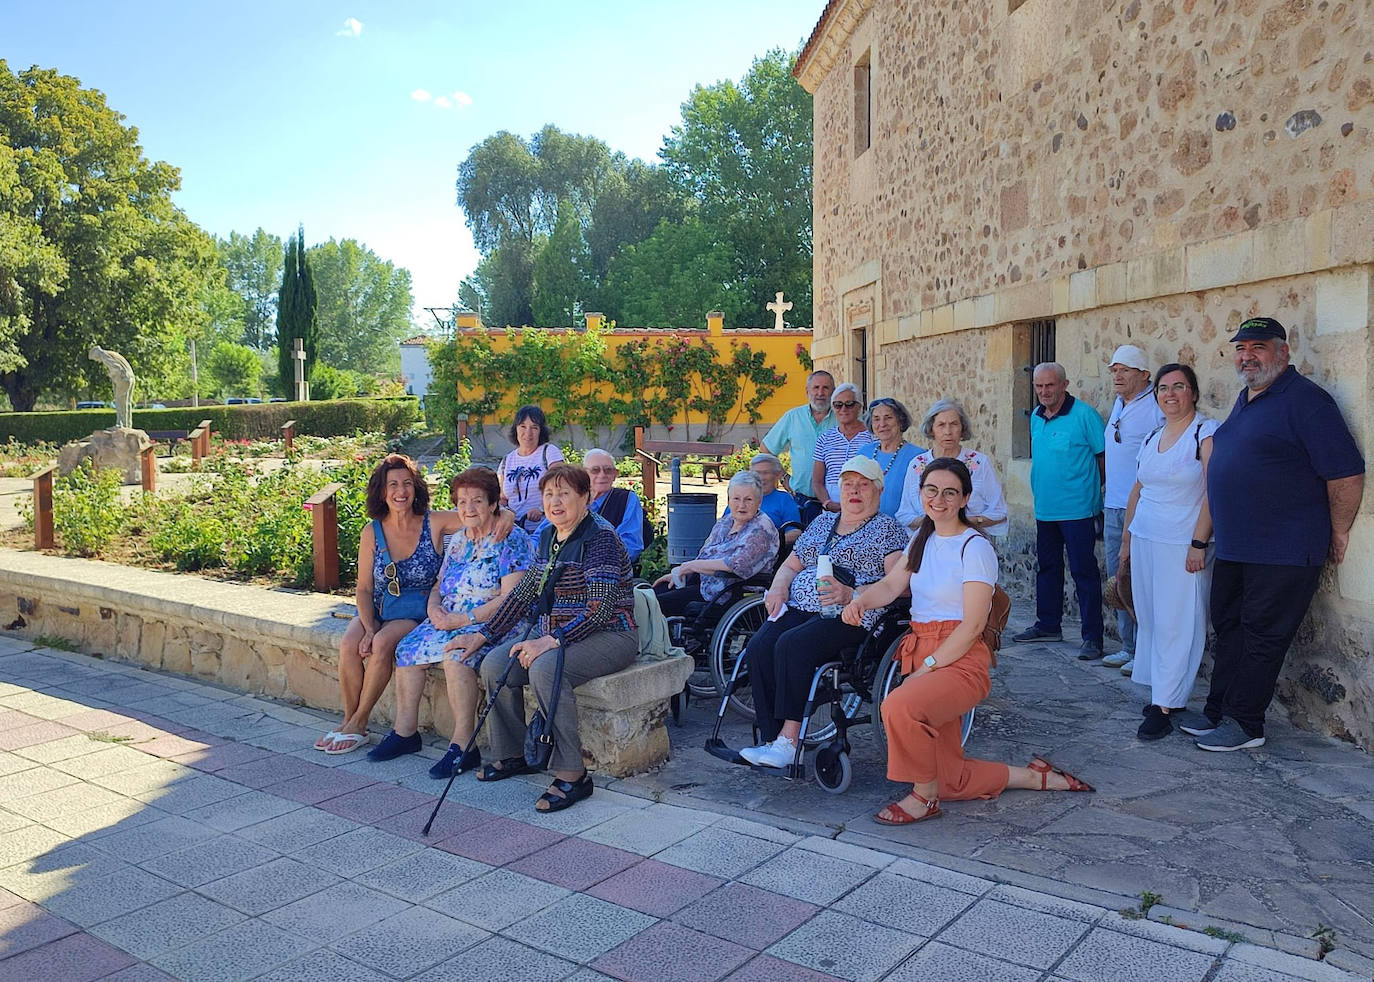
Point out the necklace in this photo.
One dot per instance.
(890, 463)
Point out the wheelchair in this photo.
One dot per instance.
(711, 629)
(862, 674)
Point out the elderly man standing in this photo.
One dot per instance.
(1284, 483)
(799, 429)
(1135, 415)
(1066, 483)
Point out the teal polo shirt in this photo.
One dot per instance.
(799, 431)
(1064, 477)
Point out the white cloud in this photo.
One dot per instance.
(352, 27)
(443, 103)
(421, 95)
(461, 98)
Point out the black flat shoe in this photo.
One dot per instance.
(1156, 724)
(571, 793)
(455, 762)
(509, 767)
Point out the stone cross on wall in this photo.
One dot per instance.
(298, 361)
(778, 307)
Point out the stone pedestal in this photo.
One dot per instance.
(118, 448)
(621, 718)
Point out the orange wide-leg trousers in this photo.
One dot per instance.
(922, 718)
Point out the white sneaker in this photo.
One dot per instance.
(1116, 659)
(780, 753)
(1127, 668)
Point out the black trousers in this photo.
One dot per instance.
(782, 657)
(1256, 612)
(673, 601)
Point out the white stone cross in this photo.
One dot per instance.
(298, 358)
(778, 307)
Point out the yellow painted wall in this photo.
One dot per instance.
(779, 347)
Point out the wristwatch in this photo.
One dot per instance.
(1198, 544)
(930, 662)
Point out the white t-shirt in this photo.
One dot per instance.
(937, 588)
(1171, 485)
(1138, 418)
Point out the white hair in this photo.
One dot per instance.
(744, 479)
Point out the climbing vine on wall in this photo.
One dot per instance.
(580, 381)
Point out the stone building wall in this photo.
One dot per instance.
(1144, 172)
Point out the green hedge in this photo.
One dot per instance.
(335, 417)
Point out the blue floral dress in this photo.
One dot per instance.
(471, 577)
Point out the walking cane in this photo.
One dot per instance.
(491, 701)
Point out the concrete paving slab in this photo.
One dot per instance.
(846, 947)
(1014, 934)
(497, 899)
(1107, 956)
(243, 951)
(579, 927)
(409, 942)
(950, 964)
(269, 886)
(166, 925)
(499, 958)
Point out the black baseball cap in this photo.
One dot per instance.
(1260, 329)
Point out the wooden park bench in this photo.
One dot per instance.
(653, 454)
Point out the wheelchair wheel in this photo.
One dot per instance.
(737, 625)
(833, 770)
(822, 726)
(885, 680)
(701, 683)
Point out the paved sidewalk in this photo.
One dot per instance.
(152, 826)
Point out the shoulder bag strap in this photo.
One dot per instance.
(379, 542)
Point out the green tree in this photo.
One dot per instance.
(503, 284)
(297, 313)
(364, 306)
(559, 280)
(235, 368)
(254, 267)
(627, 210)
(674, 277)
(743, 152)
(92, 250)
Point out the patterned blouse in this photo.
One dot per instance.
(861, 552)
(590, 595)
(417, 571)
(747, 552)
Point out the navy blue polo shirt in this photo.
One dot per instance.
(1266, 481)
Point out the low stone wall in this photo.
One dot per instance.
(284, 644)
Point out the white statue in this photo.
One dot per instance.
(122, 378)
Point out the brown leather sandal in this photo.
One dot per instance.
(1044, 768)
(900, 816)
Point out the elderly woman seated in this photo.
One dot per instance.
(478, 573)
(590, 615)
(620, 507)
(743, 543)
(777, 504)
(804, 629)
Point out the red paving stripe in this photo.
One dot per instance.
(655, 888)
(375, 802)
(766, 968)
(499, 841)
(76, 958)
(12, 719)
(94, 720)
(28, 736)
(575, 864)
(669, 952)
(453, 819)
(216, 758)
(24, 926)
(318, 784)
(272, 769)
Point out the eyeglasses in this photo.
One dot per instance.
(608, 469)
(1163, 389)
(393, 585)
(850, 404)
(948, 494)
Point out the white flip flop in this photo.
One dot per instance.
(323, 742)
(360, 741)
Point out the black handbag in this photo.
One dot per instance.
(539, 733)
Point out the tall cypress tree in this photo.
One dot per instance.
(297, 316)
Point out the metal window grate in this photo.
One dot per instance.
(1034, 344)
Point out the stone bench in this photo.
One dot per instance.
(285, 645)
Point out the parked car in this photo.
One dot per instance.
(150, 405)
(95, 405)
(239, 401)
(277, 399)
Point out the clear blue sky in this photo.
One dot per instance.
(311, 111)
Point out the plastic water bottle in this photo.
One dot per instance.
(825, 573)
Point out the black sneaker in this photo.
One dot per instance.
(1156, 725)
(1036, 633)
(393, 746)
(455, 762)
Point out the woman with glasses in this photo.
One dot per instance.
(889, 420)
(583, 567)
(836, 446)
(950, 569)
(478, 573)
(947, 426)
(1168, 550)
(398, 561)
(521, 469)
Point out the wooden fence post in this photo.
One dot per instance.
(462, 428)
(205, 425)
(648, 467)
(324, 516)
(42, 508)
(147, 459)
(194, 439)
(288, 432)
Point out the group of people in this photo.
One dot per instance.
(1228, 522)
